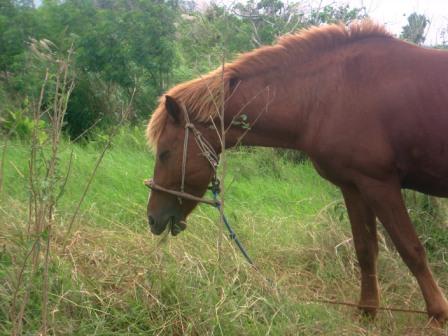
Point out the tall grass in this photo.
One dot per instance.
(114, 278)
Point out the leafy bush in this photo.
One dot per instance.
(19, 123)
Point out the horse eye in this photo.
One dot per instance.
(164, 155)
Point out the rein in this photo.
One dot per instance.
(213, 158)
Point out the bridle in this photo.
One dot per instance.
(213, 158)
(207, 151)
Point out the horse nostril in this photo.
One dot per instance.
(151, 221)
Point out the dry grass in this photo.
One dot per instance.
(114, 278)
(119, 280)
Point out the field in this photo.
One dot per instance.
(109, 276)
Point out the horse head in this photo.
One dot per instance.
(181, 165)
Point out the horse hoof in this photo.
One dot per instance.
(368, 310)
(368, 313)
(438, 315)
(437, 321)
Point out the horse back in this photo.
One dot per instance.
(391, 117)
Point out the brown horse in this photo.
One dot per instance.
(371, 112)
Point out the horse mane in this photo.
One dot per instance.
(203, 96)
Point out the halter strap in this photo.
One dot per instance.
(213, 158)
(154, 186)
(206, 149)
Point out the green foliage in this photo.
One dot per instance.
(415, 30)
(17, 24)
(332, 14)
(85, 108)
(269, 19)
(19, 123)
(128, 43)
(204, 38)
(122, 45)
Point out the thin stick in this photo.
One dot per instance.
(266, 108)
(67, 175)
(33, 210)
(16, 291)
(223, 157)
(46, 281)
(64, 88)
(241, 110)
(351, 304)
(87, 130)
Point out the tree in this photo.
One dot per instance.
(332, 14)
(444, 39)
(17, 24)
(414, 31)
(269, 19)
(120, 44)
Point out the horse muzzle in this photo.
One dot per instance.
(175, 226)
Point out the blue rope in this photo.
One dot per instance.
(232, 234)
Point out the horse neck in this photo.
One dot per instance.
(277, 115)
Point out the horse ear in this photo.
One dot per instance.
(173, 108)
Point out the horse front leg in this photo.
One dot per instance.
(363, 223)
(385, 198)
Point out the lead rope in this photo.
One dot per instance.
(216, 189)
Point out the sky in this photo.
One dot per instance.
(394, 13)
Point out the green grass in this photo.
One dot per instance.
(114, 278)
